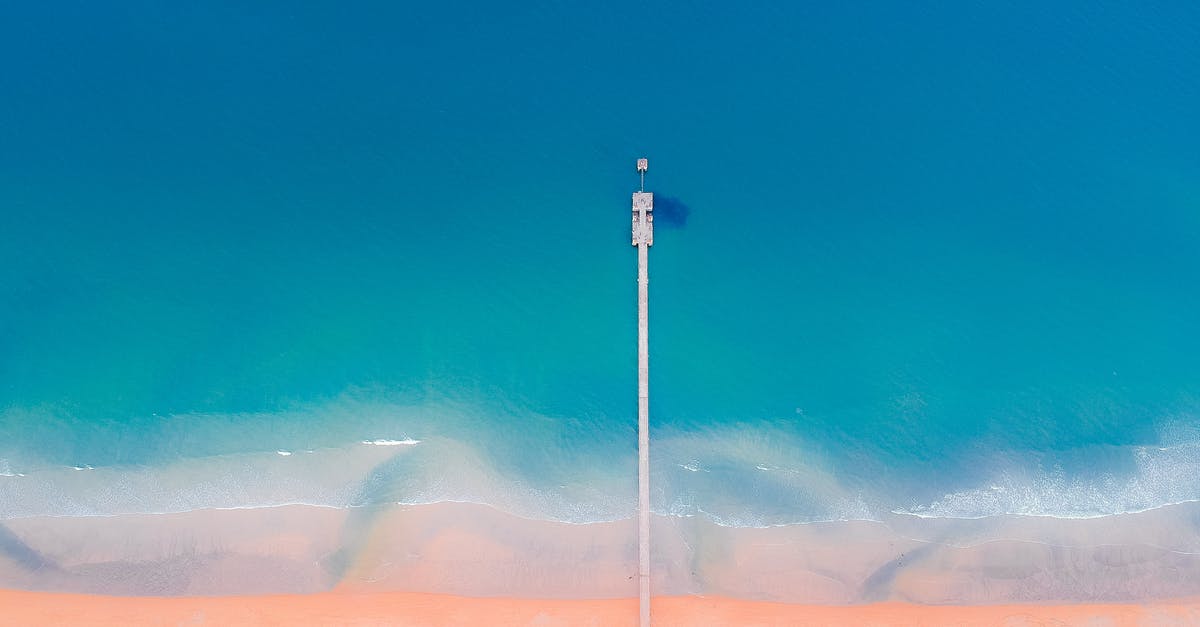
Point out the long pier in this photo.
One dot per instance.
(643, 238)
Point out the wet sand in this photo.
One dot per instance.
(476, 550)
(451, 559)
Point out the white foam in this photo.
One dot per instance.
(404, 442)
(329, 477)
(1158, 476)
(741, 475)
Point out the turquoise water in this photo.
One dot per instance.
(939, 260)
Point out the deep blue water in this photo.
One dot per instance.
(937, 258)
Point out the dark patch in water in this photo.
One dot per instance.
(670, 212)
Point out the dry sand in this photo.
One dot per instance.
(397, 608)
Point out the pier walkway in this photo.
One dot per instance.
(643, 238)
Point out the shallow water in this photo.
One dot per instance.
(945, 268)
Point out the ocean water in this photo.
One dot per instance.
(938, 260)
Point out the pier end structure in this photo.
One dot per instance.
(643, 218)
(643, 238)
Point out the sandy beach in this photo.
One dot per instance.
(460, 563)
(30, 608)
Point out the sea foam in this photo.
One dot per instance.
(750, 475)
(1150, 477)
(329, 477)
(404, 442)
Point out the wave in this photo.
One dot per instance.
(404, 442)
(6, 469)
(741, 475)
(928, 516)
(328, 477)
(1120, 480)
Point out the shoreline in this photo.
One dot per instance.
(408, 608)
(479, 551)
(704, 516)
